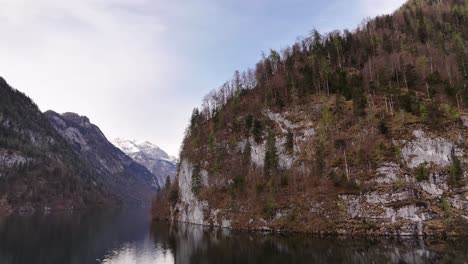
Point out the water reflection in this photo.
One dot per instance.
(128, 237)
(120, 236)
(146, 252)
(195, 244)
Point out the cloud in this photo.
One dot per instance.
(79, 43)
(136, 68)
(101, 58)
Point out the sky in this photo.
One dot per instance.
(137, 68)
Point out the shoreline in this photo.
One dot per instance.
(322, 234)
(30, 210)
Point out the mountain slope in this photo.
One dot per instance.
(129, 180)
(37, 167)
(151, 156)
(350, 132)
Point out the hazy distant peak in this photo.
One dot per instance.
(143, 146)
(151, 156)
(127, 146)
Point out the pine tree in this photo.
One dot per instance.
(271, 156)
(246, 154)
(196, 179)
(320, 158)
(257, 130)
(290, 141)
(359, 102)
(249, 122)
(456, 169)
(339, 106)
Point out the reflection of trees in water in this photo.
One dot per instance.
(84, 238)
(68, 237)
(197, 244)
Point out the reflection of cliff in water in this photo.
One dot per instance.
(68, 237)
(128, 237)
(197, 244)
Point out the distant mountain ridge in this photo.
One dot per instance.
(151, 156)
(130, 180)
(38, 169)
(51, 161)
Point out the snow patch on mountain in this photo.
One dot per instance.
(151, 156)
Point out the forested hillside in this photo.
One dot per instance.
(362, 131)
(38, 170)
(62, 162)
(415, 58)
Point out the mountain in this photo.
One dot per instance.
(129, 180)
(151, 156)
(52, 161)
(38, 169)
(361, 132)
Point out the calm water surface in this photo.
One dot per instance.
(127, 236)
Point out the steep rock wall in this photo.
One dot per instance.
(393, 202)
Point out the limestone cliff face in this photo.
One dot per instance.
(190, 207)
(344, 133)
(391, 200)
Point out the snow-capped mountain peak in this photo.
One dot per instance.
(127, 146)
(146, 147)
(151, 156)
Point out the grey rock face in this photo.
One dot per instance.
(129, 180)
(38, 167)
(151, 156)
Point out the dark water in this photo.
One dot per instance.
(129, 237)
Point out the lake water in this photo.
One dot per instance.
(127, 236)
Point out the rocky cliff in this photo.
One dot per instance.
(50, 161)
(360, 132)
(390, 200)
(124, 177)
(38, 169)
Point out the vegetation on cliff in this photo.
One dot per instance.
(50, 161)
(321, 119)
(37, 167)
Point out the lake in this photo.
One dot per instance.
(128, 236)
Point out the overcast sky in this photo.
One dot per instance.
(137, 68)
